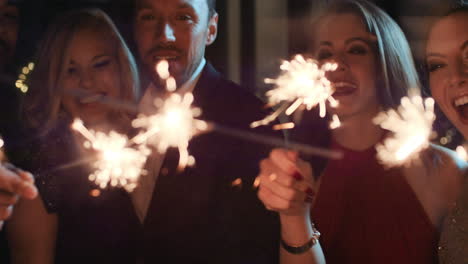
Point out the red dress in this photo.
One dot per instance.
(368, 214)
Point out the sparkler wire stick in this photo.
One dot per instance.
(277, 142)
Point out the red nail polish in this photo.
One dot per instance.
(297, 176)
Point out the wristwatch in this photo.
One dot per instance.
(302, 248)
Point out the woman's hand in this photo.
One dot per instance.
(14, 183)
(286, 183)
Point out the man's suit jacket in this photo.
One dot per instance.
(195, 216)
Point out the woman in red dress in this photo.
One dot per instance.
(364, 212)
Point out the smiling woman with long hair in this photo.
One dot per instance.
(82, 54)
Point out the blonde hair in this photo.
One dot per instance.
(396, 65)
(42, 106)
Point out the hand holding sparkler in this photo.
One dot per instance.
(411, 126)
(301, 83)
(286, 183)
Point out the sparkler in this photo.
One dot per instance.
(412, 128)
(174, 125)
(335, 123)
(301, 83)
(119, 164)
(284, 126)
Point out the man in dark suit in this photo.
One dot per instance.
(197, 215)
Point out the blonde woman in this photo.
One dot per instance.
(81, 60)
(363, 213)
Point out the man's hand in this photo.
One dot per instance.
(14, 183)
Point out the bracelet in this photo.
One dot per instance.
(296, 250)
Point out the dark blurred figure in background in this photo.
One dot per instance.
(9, 25)
(8, 33)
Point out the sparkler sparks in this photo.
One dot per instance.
(284, 126)
(335, 123)
(119, 164)
(301, 83)
(173, 126)
(175, 123)
(237, 183)
(462, 153)
(411, 126)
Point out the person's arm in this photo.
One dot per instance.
(14, 183)
(32, 233)
(298, 231)
(287, 187)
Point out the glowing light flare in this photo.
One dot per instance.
(2, 154)
(119, 164)
(162, 69)
(284, 126)
(256, 183)
(335, 123)
(301, 83)
(173, 126)
(462, 153)
(237, 183)
(171, 85)
(412, 128)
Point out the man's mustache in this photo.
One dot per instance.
(164, 48)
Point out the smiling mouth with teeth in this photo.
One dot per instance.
(91, 98)
(461, 105)
(343, 88)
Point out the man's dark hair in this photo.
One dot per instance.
(211, 7)
(459, 7)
